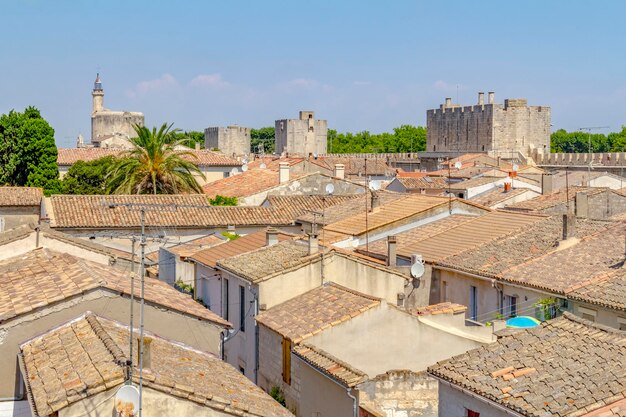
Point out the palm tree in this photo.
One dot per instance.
(154, 166)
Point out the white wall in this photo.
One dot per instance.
(455, 403)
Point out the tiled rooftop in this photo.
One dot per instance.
(268, 261)
(435, 309)
(43, 277)
(496, 256)
(474, 182)
(328, 364)
(20, 196)
(422, 182)
(315, 311)
(86, 357)
(355, 166)
(607, 291)
(93, 211)
(498, 195)
(564, 367)
(572, 267)
(187, 249)
(243, 244)
(435, 245)
(245, 184)
(306, 203)
(202, 157)
(547, 201)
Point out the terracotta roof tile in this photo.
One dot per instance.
(441, 308)
(244, 184)
(243, 244)
(330, 365)
(316, 310)
(497, 196)
(607, 291)
(20, 196)
(545, 202)
(306, 203)
(355, 166)
(564, 367)
(422, 182)
(92, 350)
(43, 277)
(203, 157)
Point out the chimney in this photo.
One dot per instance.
(581, 205)
(507, 187)
(375, 203)
(314, 244)
(271, 236)
(481, 98)
(197, 146)
(490, 96)
(283, 172)
(147, 341)
(448, 102)
(569, 226)
(391, 251)
(340, 171)
(546, 184)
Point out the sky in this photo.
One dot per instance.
(362, 65)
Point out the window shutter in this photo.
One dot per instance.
(287, 361)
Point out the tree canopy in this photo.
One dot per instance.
(262, 138)
(562, 141)
(189, 138)
(88, 177)
(153, 166)
(405, 138)
(28, 153)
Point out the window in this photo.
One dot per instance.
(2, 224)
(587, 313)
(510, 304)
(589, 317)
(226, 299)
(621, 323)
(287, 361)
(473, 303)
(472, 413)
(242, 308)
(622, 326)
(242, 370)
(444, 291)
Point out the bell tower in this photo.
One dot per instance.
(98, 95)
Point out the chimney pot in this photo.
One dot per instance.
(314, 245)
(283, 172)
(375, 201)
(271, 236)
(448, 102)
(197, 146)
(391, 251)
(546, 184)
(481, 98)
(491, 95)
(340, 171)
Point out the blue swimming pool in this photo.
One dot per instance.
(522, 321)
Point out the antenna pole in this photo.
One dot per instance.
(367, 189)
(142, 271)
(323, 241)
(132, 307)
(449, 192)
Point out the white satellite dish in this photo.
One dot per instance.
(515, 167)
(244, 167)
(263, 166)
(234, 171)
(458, 164)
(127, 401)
(375, 185)
(282, 155)
(330, 189)
(417, 270)
(315, 155)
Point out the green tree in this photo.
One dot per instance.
(562, 141)
(190, 138)
(264, 136)
(405, 138)
(618, 140)
(220, 200)
(153, 166)
(28, 154)
(88, 177)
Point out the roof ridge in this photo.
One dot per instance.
(576, 319)
(328, 356)
(107, 340)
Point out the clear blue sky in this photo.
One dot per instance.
(363, 65)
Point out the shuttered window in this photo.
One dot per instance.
(287, 361)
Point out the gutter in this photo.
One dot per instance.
(482, 399)
(355, 407)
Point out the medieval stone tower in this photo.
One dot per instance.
(109, 128)
(232, 140)
(302, 136)
(492, 128)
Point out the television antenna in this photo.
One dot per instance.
(588, 129)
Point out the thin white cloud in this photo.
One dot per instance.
(164, 82)
(209, 80)
(361, 83)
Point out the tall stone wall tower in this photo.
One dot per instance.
(497, 129)
(302, 136)
(232, 140)
(109, 128)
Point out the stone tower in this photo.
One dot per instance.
(98, 95)
(232, 140)
(500, 130)
(303, 136)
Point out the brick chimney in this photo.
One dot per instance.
(340, 171)
(481, 98)
(391, 251)
(283, 172)
(147, 350)
(271, 236)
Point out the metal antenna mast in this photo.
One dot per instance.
(588, 130)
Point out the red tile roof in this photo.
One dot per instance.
(203, 157)
(20, 196)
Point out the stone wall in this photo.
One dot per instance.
(116, 123)
(231, 140)
(303, 136)
(488, 127)
(401, 393)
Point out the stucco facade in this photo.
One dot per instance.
(494, 128)
(305, 135)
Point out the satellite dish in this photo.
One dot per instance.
(458, 164)
(515, 167)
(375, 185)
(282, 155)
(234, 171)
(244, 167)
(127, 400)
(263, 166)
(330, 189)
(417, 270)
(315, 155)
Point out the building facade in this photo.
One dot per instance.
(109, 128)
(302, 136)
(232, 140)
(494, 128)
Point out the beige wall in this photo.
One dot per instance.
(155, 403)
(289, 285)
(453, 402)
(201, 335)
(605, 316)
(385, 338)
(15, 216)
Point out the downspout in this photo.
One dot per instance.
(355, 406)
(37, 230)
(256, 337)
